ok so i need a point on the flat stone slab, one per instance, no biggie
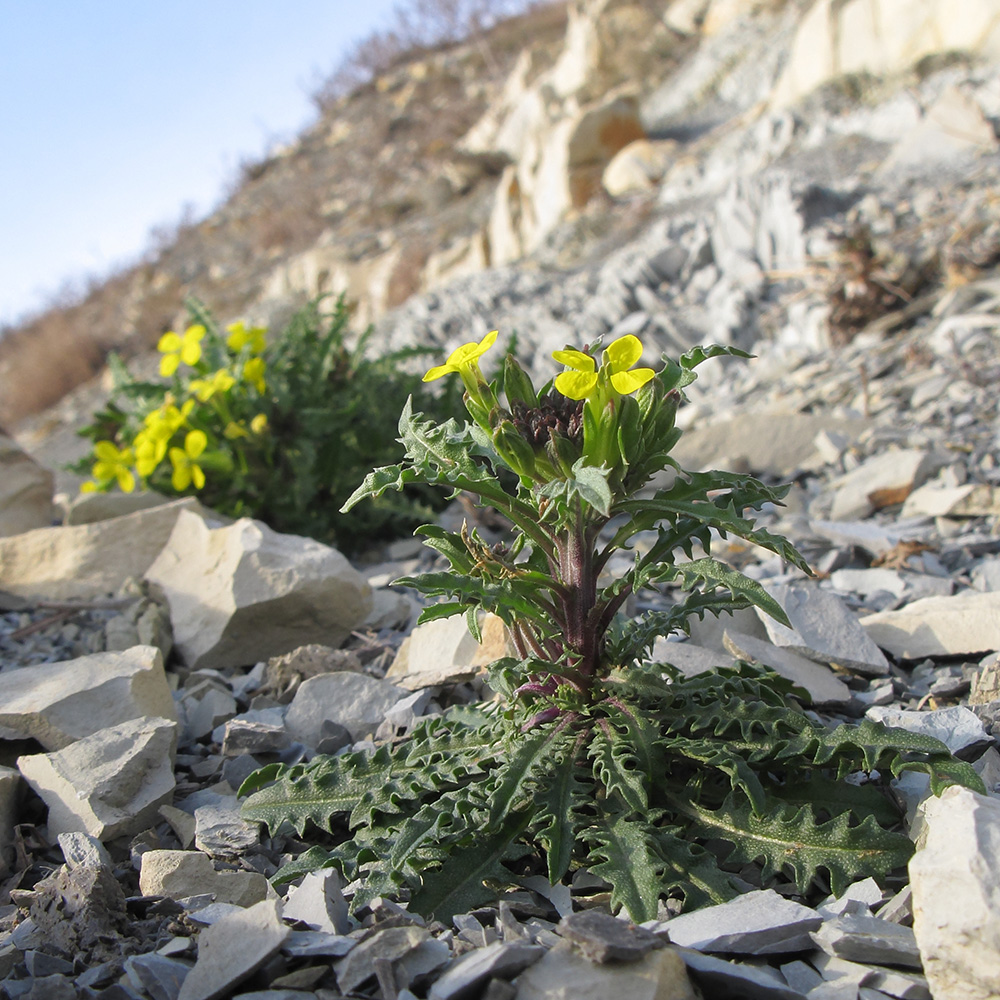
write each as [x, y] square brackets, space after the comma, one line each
[867, 939]
[939, 626]
[688, 657]
[59, 703]
[823, 629]
[824, 687]
[755, 923]
[958, 728]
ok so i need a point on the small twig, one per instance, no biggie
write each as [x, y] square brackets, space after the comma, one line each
[44, 623]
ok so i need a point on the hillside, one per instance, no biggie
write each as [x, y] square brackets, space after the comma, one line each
[509, 181]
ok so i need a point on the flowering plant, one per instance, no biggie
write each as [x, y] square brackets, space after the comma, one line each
[264, 427]
[591, 756]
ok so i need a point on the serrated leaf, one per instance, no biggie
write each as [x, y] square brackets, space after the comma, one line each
[789, 839]
[627, 858]
[559, 802]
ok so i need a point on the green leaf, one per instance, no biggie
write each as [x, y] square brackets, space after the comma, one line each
[460, 884]
[562, 796]
[627, 857]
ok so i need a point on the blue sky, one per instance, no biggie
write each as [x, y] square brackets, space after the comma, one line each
[114, 114]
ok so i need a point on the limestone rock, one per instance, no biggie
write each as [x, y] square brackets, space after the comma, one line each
[562, 974]
[939, 626]
[689, 658]
[355, 701]
[25, 490]
[898, 471]
[823, 685]
[957, 727]
[232, 949]
[242, 593]
[835, 39]
[179, 874]
[637, 167]
[87, 508]
[823, 629]
[58, 703]
[108, 784]
[955, 877]
[445, 650]
[88, 560]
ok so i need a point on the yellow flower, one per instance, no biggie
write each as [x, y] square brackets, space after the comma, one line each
[253, 374]
[89, 486]
[464, 360]
[176, 349]
[206, 388]
[259, 424]
[619, 357]
[184, 461]
[240, 336]
[114, 464]
[235, 429]
[165, 421]
[150, 450]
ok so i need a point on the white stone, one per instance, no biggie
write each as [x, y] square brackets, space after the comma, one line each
[179, 874]
[939, 626]
[823, 685]
[242, 593]
[318, 902]
[957, 727]
[896, 470]
[823, 629]
[109, 784]
[86, 508]
[59, 703]
[563, 974]
[354, 701]
[955, 878]
[88, 560]
[234, 948]
[637, 167]
[688, 657]
[25, 490]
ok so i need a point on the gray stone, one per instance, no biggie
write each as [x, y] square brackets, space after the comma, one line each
[898, 471]
[108, 784]
[868, 939]
[779, 444]
[955, 878]
[824, 687]
[248, 736]
[939, 626]
[159, 976]
[688, 657]
[721, 978]
[233, 949]
[82, 850]
[25, 490]
[89, 560]
[868, 581]
[823, 629]
[179, 874]
[960, 729]
[562, 974]
[317, 944]
[602, 938]
[871, 536]
[355, 701]
[242, 593]
[221, 832]
[318, 902]
[389, 945]
[858, 897]
[470, 971]
[59, 703]
[755, 923]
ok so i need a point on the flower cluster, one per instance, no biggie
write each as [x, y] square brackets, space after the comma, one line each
[205, 419]
[593, 418]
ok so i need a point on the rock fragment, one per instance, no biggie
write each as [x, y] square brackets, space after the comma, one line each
[179, 874]
[25, 490]
[960, 730]
[823, 629]
[108, 784]
[602, 938]
[234, 948]
[242, 593]
[955, 879]
[939, 626]
[59, 703]
[867, 939]
[761, 922]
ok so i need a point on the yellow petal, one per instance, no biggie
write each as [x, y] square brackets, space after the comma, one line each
[576, 385]
[126, 481]
[437, 372]
[195, 443]
[168, 342]
[575, 359]
[181, 479]
[624, 352]
[106, 451]
[626, 382]
[169, 364]
[198, 476]
[190, 352]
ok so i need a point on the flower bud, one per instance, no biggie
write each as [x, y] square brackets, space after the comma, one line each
[517, 385]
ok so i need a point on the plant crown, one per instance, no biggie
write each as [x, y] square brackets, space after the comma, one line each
[591, 756]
